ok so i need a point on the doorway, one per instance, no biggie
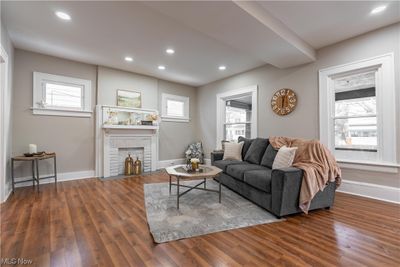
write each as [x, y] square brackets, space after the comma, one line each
[3, 94]
[237, 114]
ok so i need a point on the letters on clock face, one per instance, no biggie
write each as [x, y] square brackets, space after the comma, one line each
[284, 101]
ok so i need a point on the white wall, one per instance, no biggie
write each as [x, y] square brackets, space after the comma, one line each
[9, 49]
[304, 121]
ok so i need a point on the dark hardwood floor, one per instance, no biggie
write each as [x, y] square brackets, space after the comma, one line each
[103, 223]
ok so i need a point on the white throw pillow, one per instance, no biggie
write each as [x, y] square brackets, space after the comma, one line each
[233, 151]
[284, 158]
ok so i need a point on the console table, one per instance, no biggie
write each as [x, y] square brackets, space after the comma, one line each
[35, 165]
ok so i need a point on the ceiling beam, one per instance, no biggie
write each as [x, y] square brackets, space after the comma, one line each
[278, 27]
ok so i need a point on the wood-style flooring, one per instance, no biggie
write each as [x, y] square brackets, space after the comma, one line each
[93, 222]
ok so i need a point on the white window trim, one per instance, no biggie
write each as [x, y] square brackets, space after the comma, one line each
[39, 78]
[386, 105]
[223, 97]
[165, 117]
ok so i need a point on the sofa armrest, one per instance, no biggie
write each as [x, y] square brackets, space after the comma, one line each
[285, 190]
[216, 155]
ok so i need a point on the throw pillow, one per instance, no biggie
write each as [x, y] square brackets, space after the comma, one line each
[233, 151]
[284, 158]
[269, 156]
[246, 145]
[256, 150]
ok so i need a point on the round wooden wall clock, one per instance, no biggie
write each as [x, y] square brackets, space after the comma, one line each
[283, 101]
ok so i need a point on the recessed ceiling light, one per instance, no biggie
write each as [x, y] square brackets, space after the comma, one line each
[222, 67]
[378, 9]
[170, 51]
[130, 59]
[63, 15]
[161, 67]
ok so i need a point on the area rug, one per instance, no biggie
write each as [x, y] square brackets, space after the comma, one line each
[199, 212]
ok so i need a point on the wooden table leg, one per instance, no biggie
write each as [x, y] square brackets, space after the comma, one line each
[33, 173]
[12, 175]
[177, 192]
[219, 191]
[170, 184]
[55, 169]
[37, 172]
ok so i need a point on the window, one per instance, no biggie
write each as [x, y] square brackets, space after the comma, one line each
[61, 96]
[234, 114]
[357, 111]
[237, 119]
[175, 108]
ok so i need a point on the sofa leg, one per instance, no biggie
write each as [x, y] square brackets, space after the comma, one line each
[327, 208]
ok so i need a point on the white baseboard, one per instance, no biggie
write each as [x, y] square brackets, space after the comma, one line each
[380, 192]
[61, 177]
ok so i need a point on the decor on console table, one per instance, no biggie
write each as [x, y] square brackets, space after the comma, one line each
[130, 99]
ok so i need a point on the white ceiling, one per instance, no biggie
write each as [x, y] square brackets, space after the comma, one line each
[240, 35]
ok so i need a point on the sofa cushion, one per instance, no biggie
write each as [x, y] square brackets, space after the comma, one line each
[233, 151]
[223, 164]
[256, 150]
[246, 144]
[284, 158]
[237, 170]
[269, 156]
[260, 179]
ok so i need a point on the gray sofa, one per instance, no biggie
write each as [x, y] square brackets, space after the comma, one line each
[275, 190]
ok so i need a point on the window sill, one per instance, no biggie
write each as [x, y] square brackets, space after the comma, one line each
[369, 166]
[61, 112]
[172, 119]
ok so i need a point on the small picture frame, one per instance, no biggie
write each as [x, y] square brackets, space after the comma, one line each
[129, 99]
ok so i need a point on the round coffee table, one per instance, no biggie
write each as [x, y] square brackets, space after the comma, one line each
[180, 172]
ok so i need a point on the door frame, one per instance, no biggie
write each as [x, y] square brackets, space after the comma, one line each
[3, 144]
[221, 104]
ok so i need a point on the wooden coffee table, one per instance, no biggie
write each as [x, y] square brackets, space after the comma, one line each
[179, 171]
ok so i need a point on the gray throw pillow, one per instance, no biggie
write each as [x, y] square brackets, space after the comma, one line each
[269, 156]
[256, 150]
[246, 144]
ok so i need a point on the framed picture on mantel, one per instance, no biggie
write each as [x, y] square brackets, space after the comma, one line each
[129, 99]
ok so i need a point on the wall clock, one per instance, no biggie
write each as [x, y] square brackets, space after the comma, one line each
[283, 101]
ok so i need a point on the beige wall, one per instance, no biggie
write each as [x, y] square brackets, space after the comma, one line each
[110, 80]
[72, 138]
[9, 49]
[174, 136]
[303, 122]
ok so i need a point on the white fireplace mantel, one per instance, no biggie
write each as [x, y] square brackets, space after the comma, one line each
[109, 138]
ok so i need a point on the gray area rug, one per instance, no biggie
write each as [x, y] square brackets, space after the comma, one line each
[199, 212]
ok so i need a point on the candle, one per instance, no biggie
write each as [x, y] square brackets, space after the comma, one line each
[32, 148]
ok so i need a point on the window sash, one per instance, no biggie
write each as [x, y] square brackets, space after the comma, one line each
[174, 114]
[44, 95]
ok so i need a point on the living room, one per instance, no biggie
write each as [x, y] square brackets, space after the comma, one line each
[108, 107]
